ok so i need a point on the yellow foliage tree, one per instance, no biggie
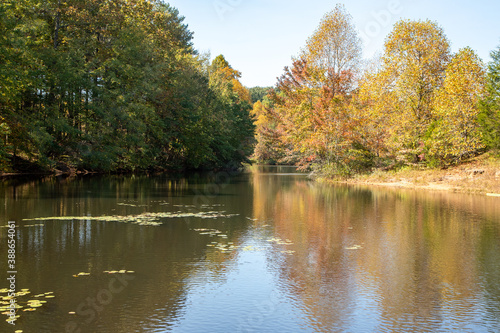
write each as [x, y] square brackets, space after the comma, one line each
[456, 133]
[223, 72]
[333, 50]
[269, 134]
[402, 92]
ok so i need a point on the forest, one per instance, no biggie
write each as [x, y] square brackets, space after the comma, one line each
[114, 86]
[117, 86]
[418, 104]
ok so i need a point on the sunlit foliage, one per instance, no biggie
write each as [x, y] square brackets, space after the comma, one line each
[416, 103]
[112, 85]
[455, 134]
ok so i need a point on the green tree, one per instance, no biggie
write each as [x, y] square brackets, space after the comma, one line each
[113, 85]
[234, 137]
[489, 117]
[258, 93]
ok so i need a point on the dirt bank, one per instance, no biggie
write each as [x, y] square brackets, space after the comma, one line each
[479, 175]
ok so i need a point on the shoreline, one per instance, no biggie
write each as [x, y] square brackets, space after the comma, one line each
[477, 176]
[408, 185]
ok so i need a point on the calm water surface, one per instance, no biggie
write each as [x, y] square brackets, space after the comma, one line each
[263, 251]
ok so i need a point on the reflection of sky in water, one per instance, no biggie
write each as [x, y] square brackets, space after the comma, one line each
[249, 297]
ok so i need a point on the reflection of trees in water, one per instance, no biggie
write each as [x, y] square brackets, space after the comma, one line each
[80, 196]
[425, 256]
[48, 258]
[418, 265]
[166, 259]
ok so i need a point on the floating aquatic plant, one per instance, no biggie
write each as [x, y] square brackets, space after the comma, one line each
[252, 248]
[130, 205]
[225, 247]
[355, 247]
[29, 305]
[144, 219]
[279, 241]
[122, 271]
[210, 232]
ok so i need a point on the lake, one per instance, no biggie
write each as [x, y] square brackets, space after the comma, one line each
[267, 250]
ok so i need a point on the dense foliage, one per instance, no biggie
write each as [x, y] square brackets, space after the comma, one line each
[114, 85]
[258, 93]
[417, 103]
[490, 107]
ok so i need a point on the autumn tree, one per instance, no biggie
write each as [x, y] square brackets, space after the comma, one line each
[455, 133]
[334, 50]
[269, 133]
[222, 71]
[314, 99]
[403, 90]
[417, 103]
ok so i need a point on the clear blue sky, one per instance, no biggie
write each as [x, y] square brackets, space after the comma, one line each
[259, 37]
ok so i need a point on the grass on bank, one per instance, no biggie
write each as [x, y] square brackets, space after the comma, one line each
[480, 174]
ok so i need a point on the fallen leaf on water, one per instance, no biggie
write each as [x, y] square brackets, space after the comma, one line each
[122, 271]
[279, 241]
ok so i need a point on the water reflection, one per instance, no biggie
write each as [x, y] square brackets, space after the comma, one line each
[304, 256]
[387, 260]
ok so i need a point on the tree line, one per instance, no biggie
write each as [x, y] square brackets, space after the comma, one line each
[114, 86]
[418, 103]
